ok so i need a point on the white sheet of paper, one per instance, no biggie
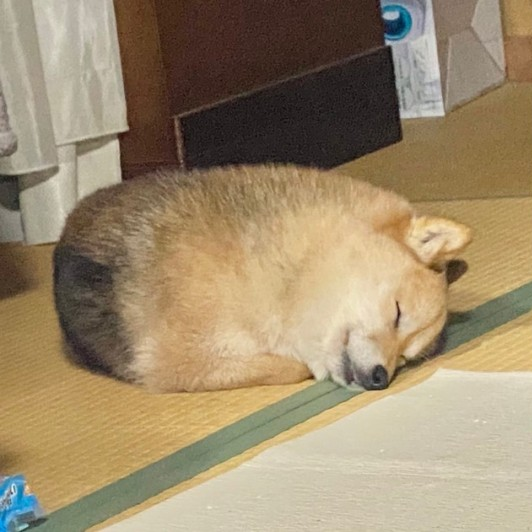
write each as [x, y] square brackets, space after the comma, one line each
[452, 454]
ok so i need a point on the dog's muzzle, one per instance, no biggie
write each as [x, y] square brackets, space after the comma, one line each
[376, 378]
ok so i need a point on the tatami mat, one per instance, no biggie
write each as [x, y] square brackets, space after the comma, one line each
[483, 149]
[72, 433]
[504, 349]
[403, 463]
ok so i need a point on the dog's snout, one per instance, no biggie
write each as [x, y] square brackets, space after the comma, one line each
[378, 379]
[375, 379]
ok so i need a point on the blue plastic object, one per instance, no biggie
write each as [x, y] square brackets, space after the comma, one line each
[19, 507]
[397, 22]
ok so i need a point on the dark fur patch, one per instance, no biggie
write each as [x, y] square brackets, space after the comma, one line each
[455, 269]
[84, 301]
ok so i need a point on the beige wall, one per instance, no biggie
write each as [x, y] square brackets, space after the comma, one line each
[517, 23]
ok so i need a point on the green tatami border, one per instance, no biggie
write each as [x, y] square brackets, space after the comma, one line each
[260, 426]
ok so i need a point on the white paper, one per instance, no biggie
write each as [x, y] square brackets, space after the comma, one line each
[416, 63]
[452, 454]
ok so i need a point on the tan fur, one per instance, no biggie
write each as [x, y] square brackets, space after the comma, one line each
[265, 275]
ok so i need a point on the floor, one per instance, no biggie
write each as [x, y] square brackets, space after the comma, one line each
[481, 150]
[74, 435]
[393, 465]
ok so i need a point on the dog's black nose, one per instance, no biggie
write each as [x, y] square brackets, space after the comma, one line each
[378, 379]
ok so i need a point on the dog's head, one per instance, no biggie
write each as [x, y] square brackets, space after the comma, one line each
[397, 305]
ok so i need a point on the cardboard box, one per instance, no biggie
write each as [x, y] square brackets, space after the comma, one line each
[446, 52]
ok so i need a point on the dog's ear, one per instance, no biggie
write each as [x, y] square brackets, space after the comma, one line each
[436, 241]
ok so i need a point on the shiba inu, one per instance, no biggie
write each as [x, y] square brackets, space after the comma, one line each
[252, 275]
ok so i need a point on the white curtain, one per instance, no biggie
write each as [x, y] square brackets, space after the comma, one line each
[62, 83]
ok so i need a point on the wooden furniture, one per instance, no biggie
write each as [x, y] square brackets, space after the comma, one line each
[517, 25]
[231, 81]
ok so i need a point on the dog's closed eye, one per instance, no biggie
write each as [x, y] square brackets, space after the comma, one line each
[397, 315]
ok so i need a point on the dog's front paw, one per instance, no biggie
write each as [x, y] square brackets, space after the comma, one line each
[319, 372]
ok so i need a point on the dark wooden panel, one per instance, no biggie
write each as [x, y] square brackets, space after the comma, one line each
[150, 139]
[322, 118]
[214, 49]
